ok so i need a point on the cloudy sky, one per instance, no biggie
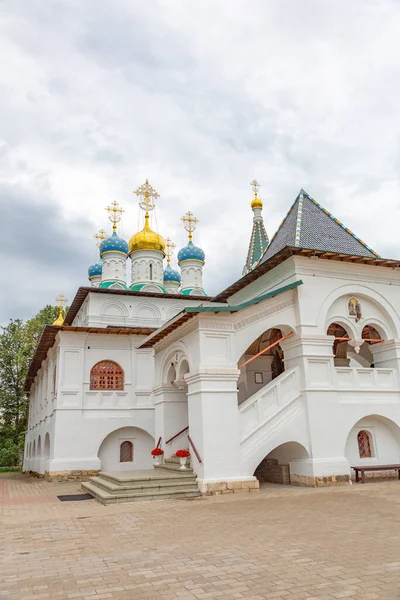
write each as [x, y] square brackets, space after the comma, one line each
[200, 96]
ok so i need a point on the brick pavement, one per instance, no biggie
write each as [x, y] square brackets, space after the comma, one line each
[285, 543]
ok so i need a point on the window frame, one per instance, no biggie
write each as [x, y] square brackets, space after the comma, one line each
[94, 378]
[132, 455]
[369, 436]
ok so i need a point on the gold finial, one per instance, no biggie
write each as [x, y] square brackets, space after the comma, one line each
[147, 195]
[256, 202]
[169, 249]
[189, 223]
[114, 214]
[99, 237]
[61, 299]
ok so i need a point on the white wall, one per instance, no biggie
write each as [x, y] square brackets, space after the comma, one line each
[142, 442]
[385, 436]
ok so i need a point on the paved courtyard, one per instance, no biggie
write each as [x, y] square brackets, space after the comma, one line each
[284, 543]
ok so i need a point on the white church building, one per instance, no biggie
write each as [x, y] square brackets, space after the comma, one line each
[290, 375]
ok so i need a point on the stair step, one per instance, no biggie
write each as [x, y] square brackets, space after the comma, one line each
[110, 498]
[165, 485]
[141, 478]
[172, 466]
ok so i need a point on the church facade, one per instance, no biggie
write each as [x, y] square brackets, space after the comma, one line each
[291, 374]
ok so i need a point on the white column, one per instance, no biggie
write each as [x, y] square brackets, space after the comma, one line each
[95, 281]
[214, 430]
[114, 267]
[327, 463]
[147, 267]
[192, 275]
[172, 287]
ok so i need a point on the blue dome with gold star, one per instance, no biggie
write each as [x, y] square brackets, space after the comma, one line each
[95, 270]
[114, 244]
[171, 275]
[191, 252]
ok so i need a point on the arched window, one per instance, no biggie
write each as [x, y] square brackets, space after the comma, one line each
[106, 375]
[364, 444]
[151, 271]
[126, 452]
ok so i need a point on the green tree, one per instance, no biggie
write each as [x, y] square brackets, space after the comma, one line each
[18, 341]
[15, 352]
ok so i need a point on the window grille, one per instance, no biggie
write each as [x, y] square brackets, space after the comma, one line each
[106, 375]
[364, 444]
[126, 452]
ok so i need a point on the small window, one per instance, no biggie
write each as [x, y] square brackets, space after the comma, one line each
[106, 375]
[126, 452]
[364, 444]
[151, 271]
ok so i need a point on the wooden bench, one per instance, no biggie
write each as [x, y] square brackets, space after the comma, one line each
[365, 469]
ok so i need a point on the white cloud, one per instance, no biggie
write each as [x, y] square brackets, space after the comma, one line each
[200, 97]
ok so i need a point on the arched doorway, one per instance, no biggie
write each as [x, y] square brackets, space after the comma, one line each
[125, 449]
[261, 363]
[276, 466]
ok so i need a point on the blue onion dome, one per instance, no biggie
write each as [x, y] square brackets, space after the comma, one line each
[191, 252]
[171, 275]
[95, 270]
[113, 244]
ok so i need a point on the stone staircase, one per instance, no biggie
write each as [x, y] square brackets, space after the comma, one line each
[163, 482]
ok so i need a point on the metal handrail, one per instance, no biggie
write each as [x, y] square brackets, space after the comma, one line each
[177, 435]
[159, 442]
[194, 448]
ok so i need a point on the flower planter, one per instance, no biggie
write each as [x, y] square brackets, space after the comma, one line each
[183, 460]
[158, 460]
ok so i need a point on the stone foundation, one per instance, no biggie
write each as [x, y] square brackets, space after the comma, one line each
[323, 481]
[69, 475]
[269, 470]
[231, 487]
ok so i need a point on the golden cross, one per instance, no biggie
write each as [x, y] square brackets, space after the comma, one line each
[256, 186]
[99, 237]
[61, 299]
[114, 214]
[169, 249]
[147, 195]
[189, 223]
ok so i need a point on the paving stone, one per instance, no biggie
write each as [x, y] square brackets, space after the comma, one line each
[284, 543]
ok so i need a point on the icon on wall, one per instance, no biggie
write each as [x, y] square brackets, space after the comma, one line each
[354, 308]
[258, 378]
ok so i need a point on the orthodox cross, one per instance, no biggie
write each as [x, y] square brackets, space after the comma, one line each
[147, 195]
[99, 237]
[256, 186]
[169, 249]
[114, 214]
[189, 223]
[61, 299]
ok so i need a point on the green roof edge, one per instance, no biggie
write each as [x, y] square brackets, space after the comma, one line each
[237, 307]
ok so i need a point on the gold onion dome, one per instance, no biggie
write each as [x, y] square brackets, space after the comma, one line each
[147, 239]
[257, 203]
